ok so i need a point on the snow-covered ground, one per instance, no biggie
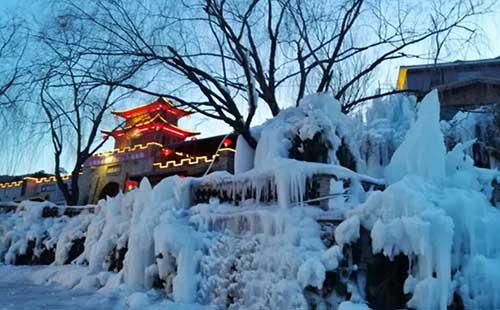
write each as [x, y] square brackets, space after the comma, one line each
[28, 288]
[18, 291]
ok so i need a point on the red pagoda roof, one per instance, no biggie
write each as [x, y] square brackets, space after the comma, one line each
[154, 106]
[155, 126]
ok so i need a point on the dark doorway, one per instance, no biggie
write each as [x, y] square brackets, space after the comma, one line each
[111, 189]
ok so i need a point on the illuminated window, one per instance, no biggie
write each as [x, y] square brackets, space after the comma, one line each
[113, 169]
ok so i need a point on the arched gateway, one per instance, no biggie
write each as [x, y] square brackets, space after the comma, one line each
[111, 189]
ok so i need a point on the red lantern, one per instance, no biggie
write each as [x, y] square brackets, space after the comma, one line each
[166, 151]
[130, 185]
[227, 142]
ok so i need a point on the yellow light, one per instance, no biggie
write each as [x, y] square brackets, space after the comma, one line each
[109, 159]
[36, 180]
[10, 184]
[47, 179]
[128, 149]
[401, 85]
[191, 160]
[151, 102]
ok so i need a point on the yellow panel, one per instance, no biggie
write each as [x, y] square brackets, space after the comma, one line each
[402, 78]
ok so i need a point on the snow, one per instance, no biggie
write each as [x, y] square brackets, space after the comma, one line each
[27, 225]
[74, 229]
[178, 239]
[347, 231]
[427, 295]
[436, 211]
[108, 229]
[347, 305]
[243, 265]
[259, 254]
[386, 122]
[481, 125]
[311, 272]
[243, 159]
[316, 113]
[331, 258]
[19, 292]
[42, 287]
[423, 151]
[140, 252]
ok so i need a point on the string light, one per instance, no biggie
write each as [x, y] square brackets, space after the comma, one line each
[50, 179]
[11, 184]
[149, 124]
[145, 120]
[141, 120]
[128, 149]
[47, 179]
[158, 126]
[152, 125]
[190, 161]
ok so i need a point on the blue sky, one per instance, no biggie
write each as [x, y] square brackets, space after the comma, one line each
[43, 160]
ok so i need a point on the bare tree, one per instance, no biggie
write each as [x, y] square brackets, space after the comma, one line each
[224, 53]
[13, 40]
[73, 102]
[14, 77]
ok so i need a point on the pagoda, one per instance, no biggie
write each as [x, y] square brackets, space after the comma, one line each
[152, 122]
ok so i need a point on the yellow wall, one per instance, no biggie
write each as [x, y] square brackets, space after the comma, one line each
[402, 78]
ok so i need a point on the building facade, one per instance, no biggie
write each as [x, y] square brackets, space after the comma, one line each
[148, 143]
[462, 85]
[38, 186]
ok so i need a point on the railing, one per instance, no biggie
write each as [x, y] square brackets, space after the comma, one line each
[317, 190]
[51, 211]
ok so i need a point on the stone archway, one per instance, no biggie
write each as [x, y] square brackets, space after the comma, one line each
[111, 189]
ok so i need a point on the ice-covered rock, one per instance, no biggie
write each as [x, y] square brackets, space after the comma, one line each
[437, 212]
[481, 125]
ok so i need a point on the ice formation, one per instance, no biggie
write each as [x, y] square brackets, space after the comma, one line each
[243, 159]
[422, 152]
[317, 114]
[480, 125]
[281, 253]
[27, 225]
[437, 212]
[386, 122]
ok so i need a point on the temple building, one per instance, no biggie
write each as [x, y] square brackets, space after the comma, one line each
[153, 122]
[148, 143]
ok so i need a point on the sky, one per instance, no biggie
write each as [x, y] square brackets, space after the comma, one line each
[44, 161]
